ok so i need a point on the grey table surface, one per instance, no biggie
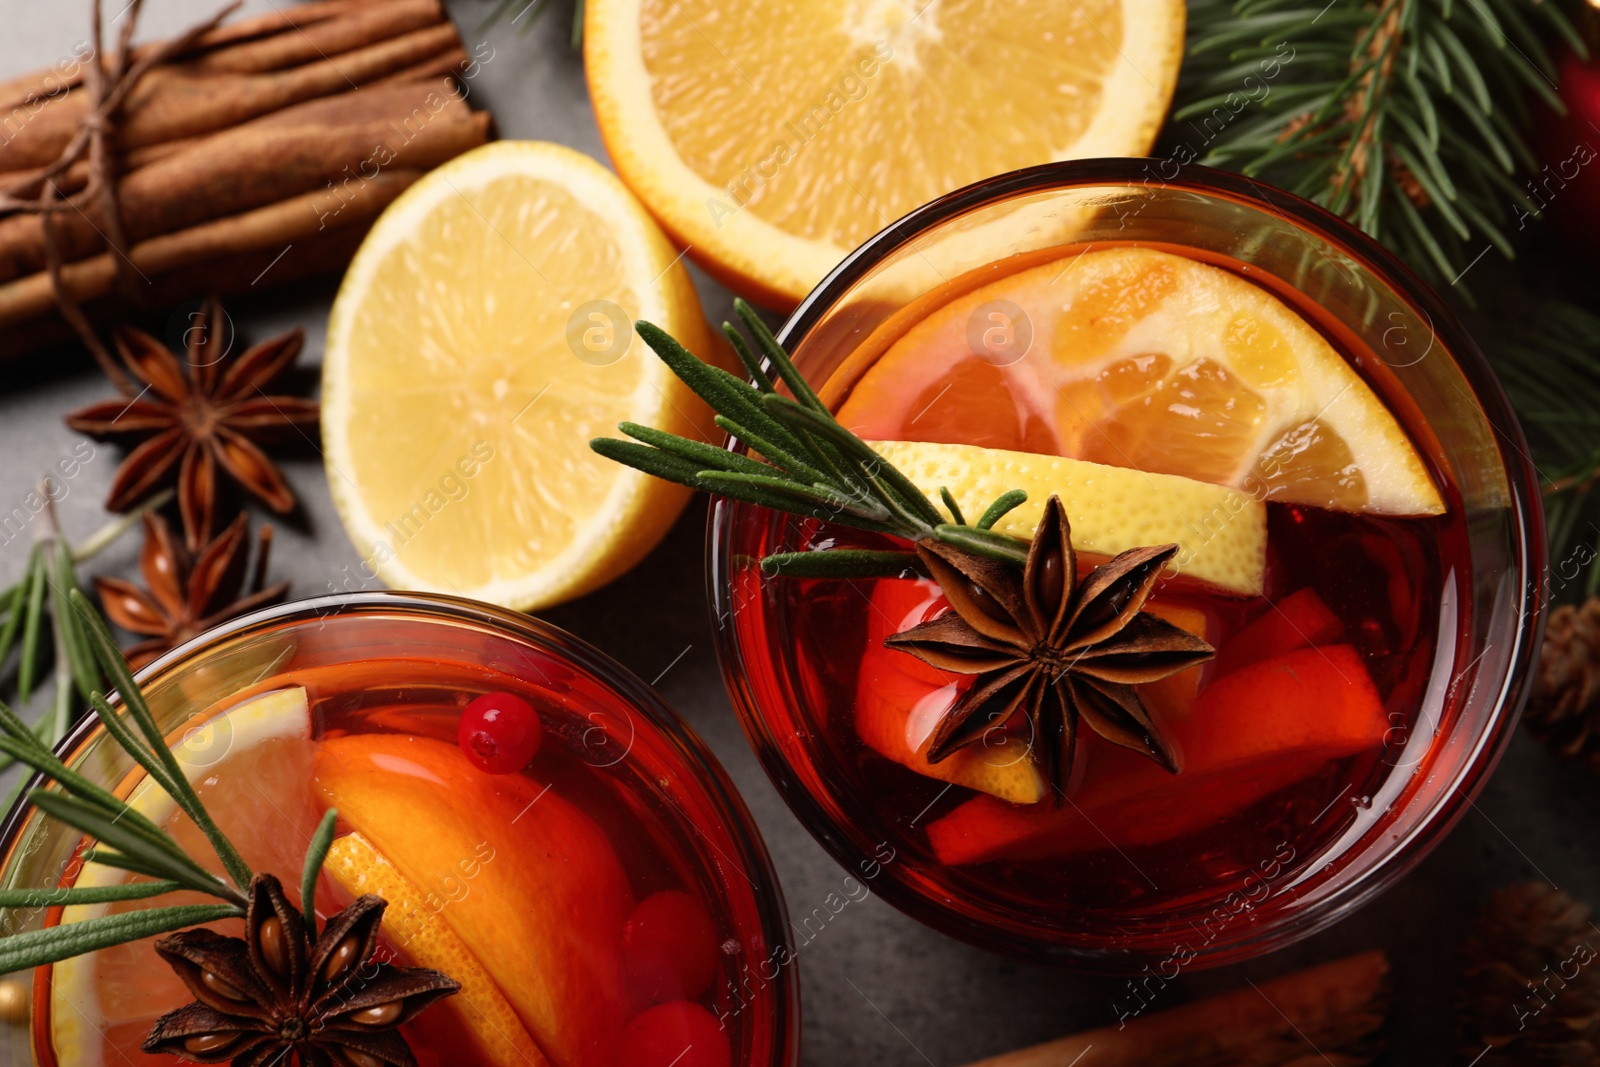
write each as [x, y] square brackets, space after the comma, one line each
[877, 987]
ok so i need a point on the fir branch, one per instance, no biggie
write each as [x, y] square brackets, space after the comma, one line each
[1550, 365]
[812, 466]
[1403, 116]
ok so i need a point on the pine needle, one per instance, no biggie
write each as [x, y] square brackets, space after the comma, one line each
[1404, 116]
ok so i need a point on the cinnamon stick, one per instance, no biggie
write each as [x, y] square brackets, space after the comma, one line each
[336, 33]
[281, 19]
[75, 177]
[294, 19]
[269, 228]
[260, 149]
[1326, 1016]
[293, 151]
[174, 102]
[455, 61]
[326, 254]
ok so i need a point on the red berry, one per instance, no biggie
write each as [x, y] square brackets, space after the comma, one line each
[499, 732]
[679, 1034]
[669, 947]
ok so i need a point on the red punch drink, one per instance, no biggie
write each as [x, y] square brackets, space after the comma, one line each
[1323, 503]
[544, 831]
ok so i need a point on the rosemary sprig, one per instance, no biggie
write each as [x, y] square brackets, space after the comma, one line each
[123, 837]
[145, 851]
[53, 943]
[813, 467]
[173, 780]
[316, 855]
[40, 596]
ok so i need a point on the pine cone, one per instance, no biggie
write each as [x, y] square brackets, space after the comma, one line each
[1564, 708]
[1532, 995]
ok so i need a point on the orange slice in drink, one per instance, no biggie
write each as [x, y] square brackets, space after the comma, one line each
[1136, 358]
[900, 699]
[412, 924]
[528, 883]
[1247, 738]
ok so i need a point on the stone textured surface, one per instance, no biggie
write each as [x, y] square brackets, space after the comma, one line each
[878, 987]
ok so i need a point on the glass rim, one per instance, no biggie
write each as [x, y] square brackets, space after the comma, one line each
[771, 907]
[1524, 507]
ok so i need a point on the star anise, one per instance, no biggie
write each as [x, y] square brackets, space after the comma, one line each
[1063, 651]
[201, 419]
[284, 988]
[188, 593]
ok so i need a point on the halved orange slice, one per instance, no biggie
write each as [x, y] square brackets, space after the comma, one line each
[771, 138]
[1153, 361]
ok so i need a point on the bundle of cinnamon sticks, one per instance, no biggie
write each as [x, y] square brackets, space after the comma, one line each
[258, 155]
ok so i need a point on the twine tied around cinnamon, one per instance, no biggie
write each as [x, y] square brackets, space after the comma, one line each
[108, 86]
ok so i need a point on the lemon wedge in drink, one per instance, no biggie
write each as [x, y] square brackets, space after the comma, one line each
[1221, 533]
[252, 755]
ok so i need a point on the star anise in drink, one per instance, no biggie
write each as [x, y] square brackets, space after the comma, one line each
[285, 989]
[188, 593]
[1063, 652]
[201, 420]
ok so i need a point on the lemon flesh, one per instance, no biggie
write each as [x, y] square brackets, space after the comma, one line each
[482, 336]
[1221, 534]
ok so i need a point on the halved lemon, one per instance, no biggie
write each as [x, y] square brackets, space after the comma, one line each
[251, 757]
[771, 138]
[1137, 358]
[482, 335]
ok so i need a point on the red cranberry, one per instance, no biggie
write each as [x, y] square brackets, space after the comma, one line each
[499, 733]
[679, 1034]
[669, 947]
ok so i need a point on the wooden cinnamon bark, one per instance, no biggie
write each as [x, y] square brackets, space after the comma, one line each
[339, 31]
[1323, 1017]
[274, 227]
[286, 37]
[254, 272]
[174, 101]
[293, 151]
[261, 153]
